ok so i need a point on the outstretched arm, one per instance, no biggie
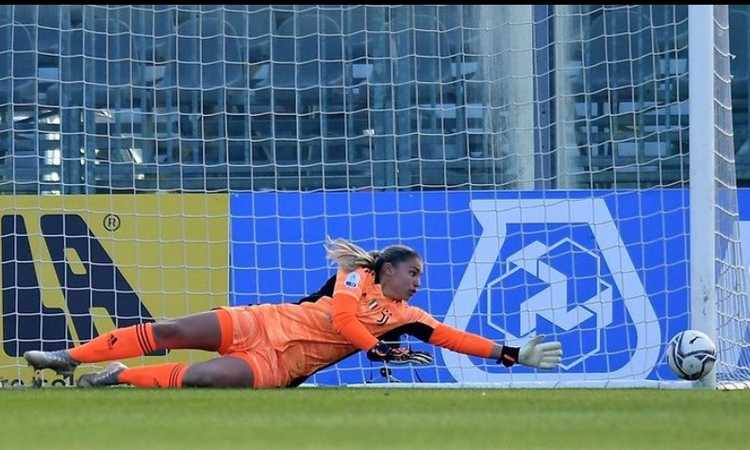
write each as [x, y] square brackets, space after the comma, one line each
[534, 353]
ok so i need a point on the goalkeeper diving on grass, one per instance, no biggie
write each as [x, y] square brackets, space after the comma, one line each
[281, 345]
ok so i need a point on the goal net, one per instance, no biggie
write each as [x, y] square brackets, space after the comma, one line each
[560, 169]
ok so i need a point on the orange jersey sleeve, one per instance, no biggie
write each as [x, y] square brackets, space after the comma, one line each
[436, 333]
[461, 341]
[346, 296]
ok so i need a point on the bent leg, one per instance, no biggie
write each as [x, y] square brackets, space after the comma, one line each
[200, 331]
[169, 375]
[223, 372]
[135, 340]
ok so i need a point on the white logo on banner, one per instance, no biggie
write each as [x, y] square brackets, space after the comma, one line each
[552, 302]
[494, 216]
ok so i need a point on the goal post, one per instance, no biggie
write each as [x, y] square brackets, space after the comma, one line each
[718, 276]
[703, 182]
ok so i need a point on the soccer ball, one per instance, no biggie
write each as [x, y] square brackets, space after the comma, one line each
[691, 355]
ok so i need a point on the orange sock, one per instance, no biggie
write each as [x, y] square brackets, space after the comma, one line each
[128, 342]
[156, 376]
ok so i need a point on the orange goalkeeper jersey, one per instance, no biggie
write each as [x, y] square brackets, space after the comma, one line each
[313, 335]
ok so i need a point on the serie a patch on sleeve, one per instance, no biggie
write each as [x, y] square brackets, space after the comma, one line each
[352, 280]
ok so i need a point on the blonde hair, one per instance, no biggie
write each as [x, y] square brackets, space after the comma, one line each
[348, 255]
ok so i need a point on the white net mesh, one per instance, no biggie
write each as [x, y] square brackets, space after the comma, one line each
[732, 302]
[537, 156]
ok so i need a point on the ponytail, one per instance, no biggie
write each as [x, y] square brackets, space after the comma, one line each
[348, 255]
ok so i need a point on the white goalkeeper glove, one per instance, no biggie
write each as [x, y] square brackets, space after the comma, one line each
[534, 353]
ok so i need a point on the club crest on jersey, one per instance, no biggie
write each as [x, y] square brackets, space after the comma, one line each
[352, 280]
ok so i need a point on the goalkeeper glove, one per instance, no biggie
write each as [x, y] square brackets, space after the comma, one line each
[398, 355]
[533, 354]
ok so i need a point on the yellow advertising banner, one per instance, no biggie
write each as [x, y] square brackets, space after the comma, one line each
[77, 266]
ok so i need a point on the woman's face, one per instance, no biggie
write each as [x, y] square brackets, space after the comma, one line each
[403, 279]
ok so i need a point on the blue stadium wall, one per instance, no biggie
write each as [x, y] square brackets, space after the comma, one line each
[614, 311]
[606, 273]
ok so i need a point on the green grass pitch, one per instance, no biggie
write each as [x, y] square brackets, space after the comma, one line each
[110, 419]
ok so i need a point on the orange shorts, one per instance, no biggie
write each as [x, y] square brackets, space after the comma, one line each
[243, 336]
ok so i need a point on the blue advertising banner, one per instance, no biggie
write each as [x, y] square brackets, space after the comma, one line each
[743, 203]
[605, 273]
